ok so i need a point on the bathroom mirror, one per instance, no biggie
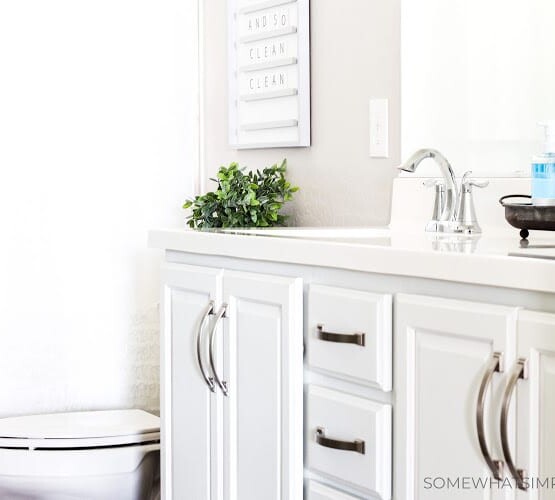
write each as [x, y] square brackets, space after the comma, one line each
[477, 77]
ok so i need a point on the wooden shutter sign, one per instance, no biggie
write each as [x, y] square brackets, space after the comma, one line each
[269, 73]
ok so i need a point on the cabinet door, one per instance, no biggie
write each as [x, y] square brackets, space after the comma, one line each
[443, 351]
[188, 408]
[535, 397]
[263, 371]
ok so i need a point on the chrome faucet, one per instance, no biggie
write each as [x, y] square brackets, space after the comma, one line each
[443, 220]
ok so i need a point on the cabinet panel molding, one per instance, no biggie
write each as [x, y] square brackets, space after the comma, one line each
[535, 399]
[443, 351]
[190, 413]
[350, 334]
[357, 439]
[319, 491]
[263, 366]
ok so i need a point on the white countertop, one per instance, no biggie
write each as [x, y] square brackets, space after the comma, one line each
[492, 259]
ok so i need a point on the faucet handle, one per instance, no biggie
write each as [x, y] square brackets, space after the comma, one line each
[467, 182]
[466, 221]
[439, 200]
[433, 183]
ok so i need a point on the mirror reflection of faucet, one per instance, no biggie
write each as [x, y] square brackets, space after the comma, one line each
[454, 210]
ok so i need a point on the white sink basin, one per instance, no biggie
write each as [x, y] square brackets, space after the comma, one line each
[327, 233]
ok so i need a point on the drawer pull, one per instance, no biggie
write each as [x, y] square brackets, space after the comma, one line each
[208, 310]
[212, 345]
[357, 338]
[494, 366]
[357, 445]
[519, 372]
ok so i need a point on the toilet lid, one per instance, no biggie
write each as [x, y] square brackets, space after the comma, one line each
[80, 429]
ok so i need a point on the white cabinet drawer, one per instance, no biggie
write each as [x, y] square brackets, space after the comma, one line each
[319, 491]
[349, 334]
[349, 438]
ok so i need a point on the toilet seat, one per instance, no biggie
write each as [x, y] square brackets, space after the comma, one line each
[79, 430]
[82, 455]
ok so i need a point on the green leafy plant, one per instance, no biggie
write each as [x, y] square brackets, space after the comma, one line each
[242, 199]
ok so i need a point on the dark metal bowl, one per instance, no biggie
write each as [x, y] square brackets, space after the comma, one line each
[526, 216]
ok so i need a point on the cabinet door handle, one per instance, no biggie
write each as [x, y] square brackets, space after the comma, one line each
[495, 365]
[519, 372]
[357, 445]
[219, 315]
[207, 311]
[357, 338]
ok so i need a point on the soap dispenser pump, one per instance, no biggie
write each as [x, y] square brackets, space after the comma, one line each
[543, 169]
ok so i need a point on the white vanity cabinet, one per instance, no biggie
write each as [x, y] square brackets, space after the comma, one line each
[232, 385]
[448, 352]
[363, 385]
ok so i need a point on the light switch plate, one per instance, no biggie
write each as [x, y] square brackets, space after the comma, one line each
[379, 128]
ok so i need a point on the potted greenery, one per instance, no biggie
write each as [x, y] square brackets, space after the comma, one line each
[252, 199]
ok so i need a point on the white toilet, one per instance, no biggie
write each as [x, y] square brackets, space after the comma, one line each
[97, 455]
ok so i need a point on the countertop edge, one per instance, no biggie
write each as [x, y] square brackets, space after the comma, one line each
[480, 269]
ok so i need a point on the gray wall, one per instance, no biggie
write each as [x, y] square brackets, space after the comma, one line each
[355, 55]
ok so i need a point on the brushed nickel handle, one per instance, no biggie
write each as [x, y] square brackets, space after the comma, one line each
[207, 311]
[219, 315]
[520, 371]
[495, 365]
[357, 445]
[357, 338]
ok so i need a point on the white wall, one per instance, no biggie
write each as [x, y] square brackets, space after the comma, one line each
[355, 47]
[97, 139]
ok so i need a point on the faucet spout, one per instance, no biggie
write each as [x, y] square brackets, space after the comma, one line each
[449, 210]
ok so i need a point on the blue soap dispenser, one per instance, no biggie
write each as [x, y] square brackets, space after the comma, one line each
[543, 169]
